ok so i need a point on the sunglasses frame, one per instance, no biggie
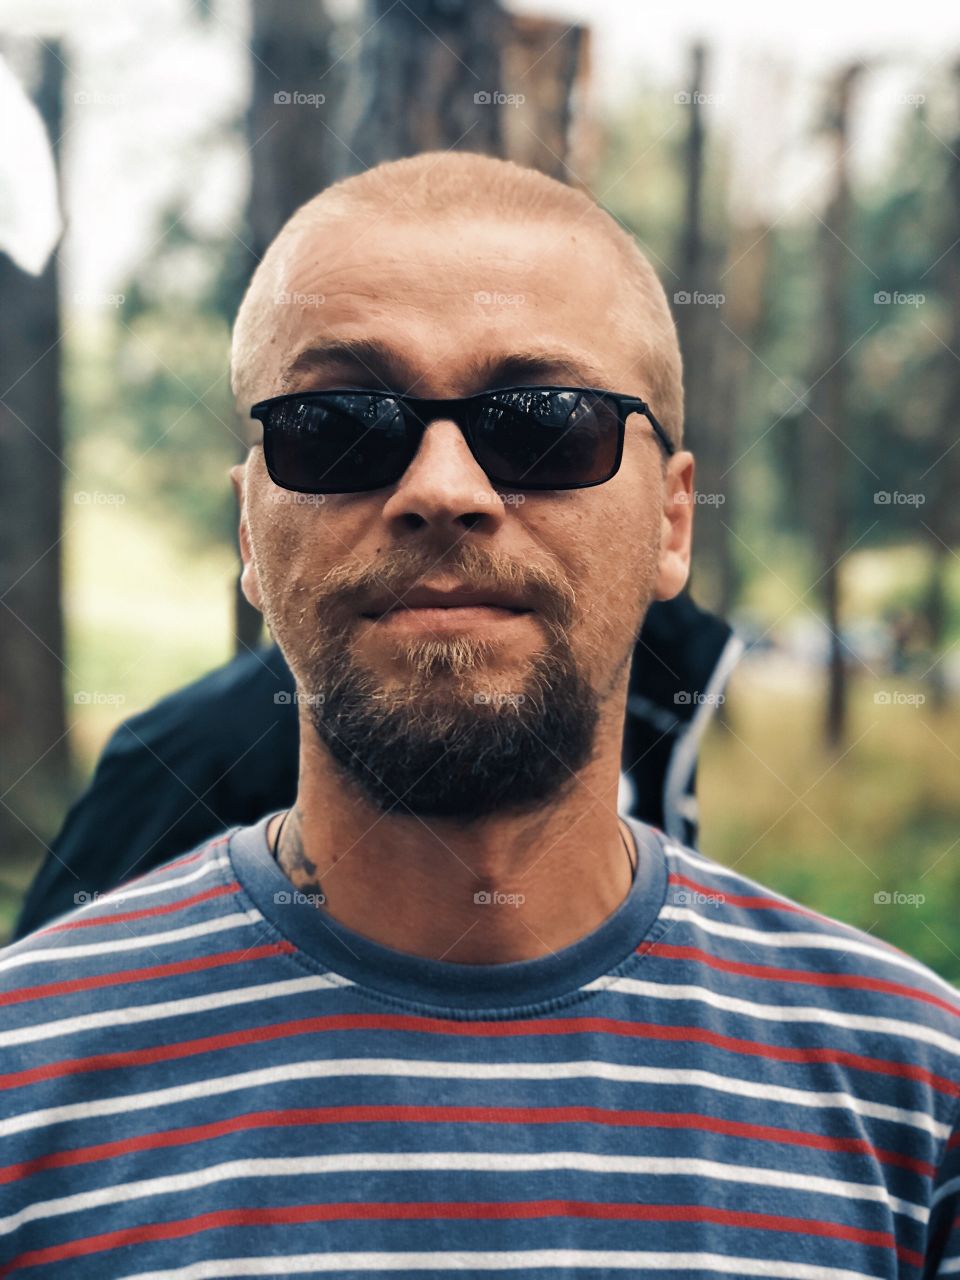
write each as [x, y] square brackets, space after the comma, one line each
[425, 411]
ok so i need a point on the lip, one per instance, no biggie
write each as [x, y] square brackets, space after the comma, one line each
[470, 617]
[456, 600]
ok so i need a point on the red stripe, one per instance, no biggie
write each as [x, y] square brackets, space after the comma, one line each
[123, 976]
[91, 922]
[439, 1026]
[758, 902]
[717, 891]
[172, 866]
[753, 902]
[454, 1211]
[167, 866]
[408, 1114]
[857, 982]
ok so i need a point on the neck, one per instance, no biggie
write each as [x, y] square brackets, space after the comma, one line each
[500, 890]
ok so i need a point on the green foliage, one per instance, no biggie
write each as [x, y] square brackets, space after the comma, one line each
[880, 817]
[149, 394]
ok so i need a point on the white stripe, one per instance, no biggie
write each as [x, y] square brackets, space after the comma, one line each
[753, 888]
[516, 1260]
[66, 954]
[493, 1162]
[947, 1189]
[950, 1267]
[847, 938]
[827, 942]
[158, 886]
[216, 1086]
[901, 1027]
[166, 1009]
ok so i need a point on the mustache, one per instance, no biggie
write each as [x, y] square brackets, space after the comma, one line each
[348, 588]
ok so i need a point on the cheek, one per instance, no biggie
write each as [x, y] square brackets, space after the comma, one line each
[287, 547]
[617, 572]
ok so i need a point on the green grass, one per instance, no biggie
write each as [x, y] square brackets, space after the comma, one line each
[143, 618]
[832, 830]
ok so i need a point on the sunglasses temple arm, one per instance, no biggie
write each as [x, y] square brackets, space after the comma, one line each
[661, 434]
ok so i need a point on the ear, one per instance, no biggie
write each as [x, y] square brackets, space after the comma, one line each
[676, 527]
[249, 579]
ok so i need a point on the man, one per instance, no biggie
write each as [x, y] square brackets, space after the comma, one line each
[448, 1012]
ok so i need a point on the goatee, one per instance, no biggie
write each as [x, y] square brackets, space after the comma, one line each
[446, 738]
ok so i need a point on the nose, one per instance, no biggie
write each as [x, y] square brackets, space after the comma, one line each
[445, 487]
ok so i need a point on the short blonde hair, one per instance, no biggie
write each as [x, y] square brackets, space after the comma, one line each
[438, 184]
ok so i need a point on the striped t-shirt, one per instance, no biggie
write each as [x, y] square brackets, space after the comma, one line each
[204, 1075]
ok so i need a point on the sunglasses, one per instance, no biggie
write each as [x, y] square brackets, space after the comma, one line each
[523, 437]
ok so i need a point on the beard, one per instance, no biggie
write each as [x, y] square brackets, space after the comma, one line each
[443, 738]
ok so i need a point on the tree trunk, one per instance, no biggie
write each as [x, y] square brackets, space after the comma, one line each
[942, 480]
[291, 146]
[547, 62]
[699, 328]
[425, 80]
[34, 762]
[829, 490]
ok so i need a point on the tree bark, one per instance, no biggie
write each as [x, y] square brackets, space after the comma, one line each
[829, 490]
[34, 763]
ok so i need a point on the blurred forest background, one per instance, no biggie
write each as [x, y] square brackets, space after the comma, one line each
[803, 210]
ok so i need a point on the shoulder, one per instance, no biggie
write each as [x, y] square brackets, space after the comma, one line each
[736, 926]
[175, 901]
[254, 689]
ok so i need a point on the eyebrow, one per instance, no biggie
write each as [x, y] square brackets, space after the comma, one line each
[373, 359]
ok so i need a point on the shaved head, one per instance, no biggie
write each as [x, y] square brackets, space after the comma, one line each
[446, 191]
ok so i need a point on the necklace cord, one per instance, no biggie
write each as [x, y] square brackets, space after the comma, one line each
[276, 843]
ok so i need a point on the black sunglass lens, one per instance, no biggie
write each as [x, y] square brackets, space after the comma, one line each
[337, 443]
[547, 439]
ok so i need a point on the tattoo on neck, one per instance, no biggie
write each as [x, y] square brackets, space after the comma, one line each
[292, 858]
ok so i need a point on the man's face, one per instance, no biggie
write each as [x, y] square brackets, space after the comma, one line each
[460, 712]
